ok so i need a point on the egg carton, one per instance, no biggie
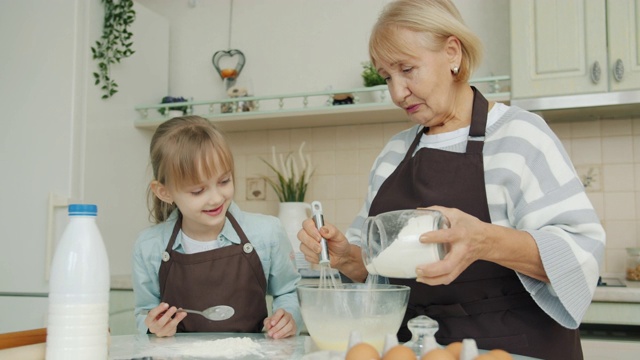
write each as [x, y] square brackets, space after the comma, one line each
[468, 351]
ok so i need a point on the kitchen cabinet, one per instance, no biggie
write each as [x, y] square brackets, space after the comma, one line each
[613, 313]
[121, 318]
[563, 47]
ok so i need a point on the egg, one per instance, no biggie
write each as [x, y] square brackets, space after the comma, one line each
[362, 351]
[438, 354]
[455, 348]
[500, 354]
[485, 356]
[399, 352]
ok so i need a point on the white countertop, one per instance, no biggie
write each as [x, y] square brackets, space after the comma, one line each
[630, 293]
[190, 345]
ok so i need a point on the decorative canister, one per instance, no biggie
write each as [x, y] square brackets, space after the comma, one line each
[633, 264]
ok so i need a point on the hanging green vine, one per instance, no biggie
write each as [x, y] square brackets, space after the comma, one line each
[115, 43]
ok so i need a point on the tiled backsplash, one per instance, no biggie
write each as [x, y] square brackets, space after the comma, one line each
[610, 149]
[606, 154]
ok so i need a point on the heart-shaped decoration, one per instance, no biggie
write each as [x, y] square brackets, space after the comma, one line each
[228, 73]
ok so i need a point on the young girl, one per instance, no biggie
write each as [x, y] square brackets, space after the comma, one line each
[205, 251]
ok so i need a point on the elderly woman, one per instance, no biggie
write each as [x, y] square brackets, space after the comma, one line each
[525, 241]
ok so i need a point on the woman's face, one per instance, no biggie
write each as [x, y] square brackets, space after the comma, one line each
[422, 84]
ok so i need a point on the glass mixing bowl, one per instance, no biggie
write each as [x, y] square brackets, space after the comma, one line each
[373, 310]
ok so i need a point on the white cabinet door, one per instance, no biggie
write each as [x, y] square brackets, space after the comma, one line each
[41, 141]
[555, 47]
[624, 44]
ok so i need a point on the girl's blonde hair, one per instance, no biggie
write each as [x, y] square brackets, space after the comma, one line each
[437, 20]
[185, 151]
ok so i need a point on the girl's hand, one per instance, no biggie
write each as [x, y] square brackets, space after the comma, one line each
[163, 320]
[280, 325]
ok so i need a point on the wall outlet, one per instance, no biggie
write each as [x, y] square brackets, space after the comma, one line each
[591, 178]
[256, 189]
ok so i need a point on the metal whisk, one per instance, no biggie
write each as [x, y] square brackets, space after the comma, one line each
[316, 207]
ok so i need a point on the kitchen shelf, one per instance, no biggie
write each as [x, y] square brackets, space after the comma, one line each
[309, 109]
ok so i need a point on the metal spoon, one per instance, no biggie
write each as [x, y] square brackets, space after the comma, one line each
[214, 313]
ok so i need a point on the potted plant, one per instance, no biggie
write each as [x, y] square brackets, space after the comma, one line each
[173, 111]
[371, 78]
[292, 178]
[291, 187]
[370, 75]
[115, 43]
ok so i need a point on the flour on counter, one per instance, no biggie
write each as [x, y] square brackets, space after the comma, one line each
[400, 259]
[229, 348]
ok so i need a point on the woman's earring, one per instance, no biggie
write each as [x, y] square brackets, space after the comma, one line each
[455, 70]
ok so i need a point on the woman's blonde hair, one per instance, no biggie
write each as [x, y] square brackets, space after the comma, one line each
[437, 20]
[184, 151]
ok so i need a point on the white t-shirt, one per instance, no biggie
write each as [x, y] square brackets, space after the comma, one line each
[440, 141]
[192, 246]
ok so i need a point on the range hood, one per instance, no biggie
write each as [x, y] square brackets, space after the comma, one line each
[584, 106]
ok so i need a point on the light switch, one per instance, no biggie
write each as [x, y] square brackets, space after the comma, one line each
[256, 189]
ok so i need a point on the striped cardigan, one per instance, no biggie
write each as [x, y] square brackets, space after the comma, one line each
[531, 186]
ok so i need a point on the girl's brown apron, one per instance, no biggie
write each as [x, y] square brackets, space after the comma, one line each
[487, 302]
[230, 275]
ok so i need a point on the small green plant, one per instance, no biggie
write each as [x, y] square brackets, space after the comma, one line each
[171, 99]
[370, 75]
[291, 184]
[115, 42]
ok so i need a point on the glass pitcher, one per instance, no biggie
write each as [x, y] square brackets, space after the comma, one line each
[391, 245]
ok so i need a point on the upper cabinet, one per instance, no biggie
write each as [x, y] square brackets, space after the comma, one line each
[623, 36]
[561, 47]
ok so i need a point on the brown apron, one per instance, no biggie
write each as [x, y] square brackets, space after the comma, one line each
[231, 275]
[487, 302]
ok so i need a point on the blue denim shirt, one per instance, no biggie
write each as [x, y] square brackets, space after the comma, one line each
[267, 236]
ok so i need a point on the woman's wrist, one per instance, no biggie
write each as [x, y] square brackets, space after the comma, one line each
[352, 265]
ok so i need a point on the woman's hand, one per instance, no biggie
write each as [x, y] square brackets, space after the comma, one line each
[280, 325]
[310, 237]
[163, 320]
[344, 257]
[469, 239]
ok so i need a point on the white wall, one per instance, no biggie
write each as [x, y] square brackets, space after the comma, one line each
[60, 137]
[116, 171]
[297, 45]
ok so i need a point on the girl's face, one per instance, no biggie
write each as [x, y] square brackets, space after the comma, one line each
[204, 206]
[422, 84]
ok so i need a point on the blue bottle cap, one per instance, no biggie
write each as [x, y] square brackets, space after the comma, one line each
[83, 210]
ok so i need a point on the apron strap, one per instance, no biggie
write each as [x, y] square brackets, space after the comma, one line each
[174, 234]
[477, 130]
[248, 251]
